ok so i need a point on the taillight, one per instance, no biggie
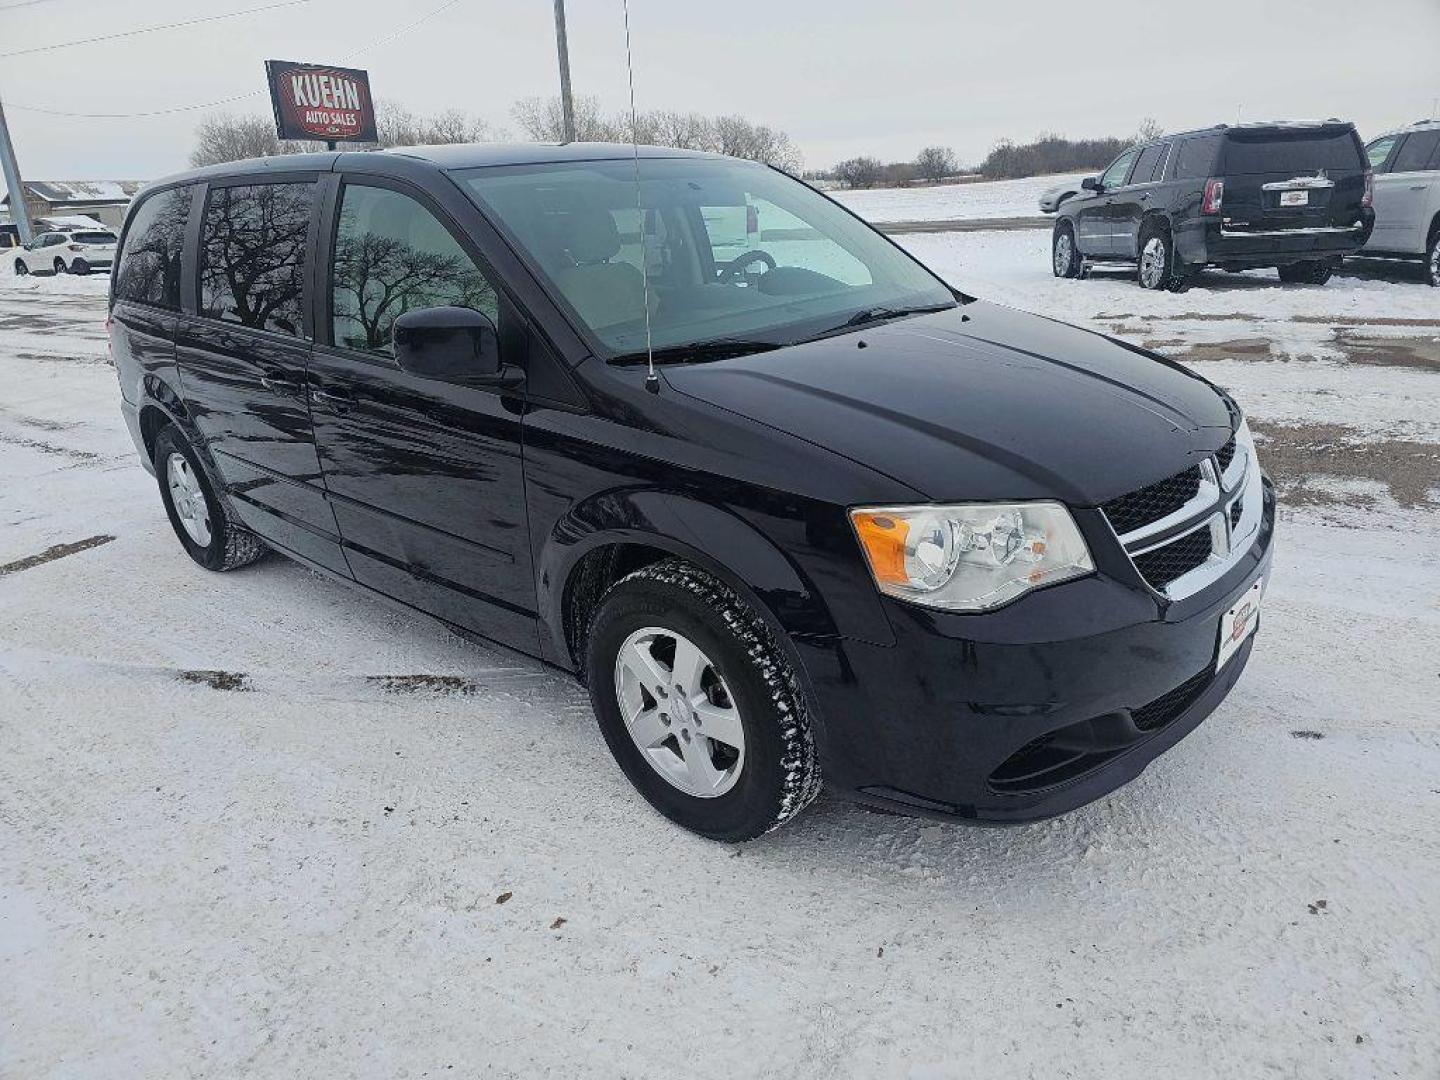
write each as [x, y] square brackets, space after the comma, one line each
[76, 247]
[1368, 199]
[1214, 195]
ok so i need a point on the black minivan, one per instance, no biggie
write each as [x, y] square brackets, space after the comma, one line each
[1297, 197]
[800, 511]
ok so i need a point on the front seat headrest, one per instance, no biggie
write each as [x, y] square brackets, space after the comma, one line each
[591, 235]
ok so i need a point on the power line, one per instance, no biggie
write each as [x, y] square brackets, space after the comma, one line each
[151, 29]
[22, 3]
[241, 96]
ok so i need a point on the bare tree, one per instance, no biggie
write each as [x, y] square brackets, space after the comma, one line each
[397, 125]
[738, 137]
[1150, 130]
[859, 172]
[223, 137]
[684, 131]
[542, 119]
[936, 162]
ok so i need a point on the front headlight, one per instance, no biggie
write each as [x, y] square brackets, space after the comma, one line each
[969, 557]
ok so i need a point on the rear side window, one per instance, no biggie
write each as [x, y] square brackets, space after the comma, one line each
[1379, 150]
[1418, 152]
[1195, 158]
[1150, 158]
[392, 255]
[1295, 153]
[149, 271]
[252, 255]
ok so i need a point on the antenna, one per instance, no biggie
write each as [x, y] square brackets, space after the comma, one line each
[652, 381]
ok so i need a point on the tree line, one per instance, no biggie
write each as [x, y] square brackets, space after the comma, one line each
[1047, 153]
[223, 137]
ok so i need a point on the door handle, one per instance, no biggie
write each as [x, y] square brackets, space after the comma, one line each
[338, 402]
[1418, 187]
[279, 386]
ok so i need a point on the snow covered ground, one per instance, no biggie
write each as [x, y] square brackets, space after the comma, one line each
[262, 825]
[953, 202]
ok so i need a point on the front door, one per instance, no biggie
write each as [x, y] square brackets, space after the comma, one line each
[1097, 217]
[1135, 198]
[424, 476]
[1402, 193]
[242, 359]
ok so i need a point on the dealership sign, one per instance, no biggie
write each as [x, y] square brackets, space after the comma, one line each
[313, 101]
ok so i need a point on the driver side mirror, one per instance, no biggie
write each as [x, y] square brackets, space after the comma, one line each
[454, 344]
[1092, 183]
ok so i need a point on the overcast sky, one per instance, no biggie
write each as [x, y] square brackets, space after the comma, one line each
[842, 77]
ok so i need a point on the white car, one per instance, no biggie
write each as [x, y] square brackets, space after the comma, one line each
[1407, 196]
[1050, 201]
[76, 251]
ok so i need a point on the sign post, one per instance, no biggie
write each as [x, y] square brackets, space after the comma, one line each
[321, 102]
[19, 212]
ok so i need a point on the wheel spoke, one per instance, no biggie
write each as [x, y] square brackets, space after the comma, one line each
[647, 729]
[648, 671]
[721, 723]
[689, 666]
[703, 774]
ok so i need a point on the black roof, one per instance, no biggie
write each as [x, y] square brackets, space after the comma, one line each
[447, 157]
[1261, 125]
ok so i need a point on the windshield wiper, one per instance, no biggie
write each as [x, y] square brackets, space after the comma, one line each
[866, 316]
[698, 351]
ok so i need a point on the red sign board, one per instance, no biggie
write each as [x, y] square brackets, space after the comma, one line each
[313, 101]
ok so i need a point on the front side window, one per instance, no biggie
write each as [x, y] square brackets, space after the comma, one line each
[723, 252]
[1379, 150]
[1119, 169]
[392, 255]
[1418, 153]
[252, 255]
[149, 271]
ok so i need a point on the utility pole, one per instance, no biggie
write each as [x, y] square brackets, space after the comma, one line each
[18, 210]
[567, 104]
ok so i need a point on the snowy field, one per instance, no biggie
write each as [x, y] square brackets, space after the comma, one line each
[953, 202]
[261, 825]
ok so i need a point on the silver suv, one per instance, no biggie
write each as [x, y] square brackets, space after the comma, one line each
[1407, 196]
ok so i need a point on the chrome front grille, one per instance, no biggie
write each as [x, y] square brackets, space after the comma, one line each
[1185, 531]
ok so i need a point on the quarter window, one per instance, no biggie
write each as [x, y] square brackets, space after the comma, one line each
[1195, 158]
[391, 256]
[1418, 152]
[252, 255]
[1115, 175]
[150, 264]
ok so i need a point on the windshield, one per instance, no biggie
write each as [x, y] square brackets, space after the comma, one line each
[735, 252]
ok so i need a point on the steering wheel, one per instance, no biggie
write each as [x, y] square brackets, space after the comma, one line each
[737, 265]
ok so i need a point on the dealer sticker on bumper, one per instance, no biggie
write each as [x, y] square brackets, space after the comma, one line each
[1239, 623]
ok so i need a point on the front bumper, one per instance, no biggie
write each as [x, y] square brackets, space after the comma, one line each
[1031, 710]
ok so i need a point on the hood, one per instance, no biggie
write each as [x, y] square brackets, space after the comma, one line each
[979, 402]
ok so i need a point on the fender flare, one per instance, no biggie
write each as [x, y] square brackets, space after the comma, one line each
[156, 393]
[680, 525]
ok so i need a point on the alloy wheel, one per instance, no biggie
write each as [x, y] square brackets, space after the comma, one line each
[1152, 263]
[679, 712]
[189, 499]
[1064, 251]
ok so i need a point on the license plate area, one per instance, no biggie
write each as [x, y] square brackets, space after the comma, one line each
[1237, 624]
[1295, 198]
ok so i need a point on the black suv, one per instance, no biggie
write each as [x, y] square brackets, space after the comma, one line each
[958, 559]
[1294, 196]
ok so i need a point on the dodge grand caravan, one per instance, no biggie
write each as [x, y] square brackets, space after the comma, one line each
[1292, 196]
[956, 559]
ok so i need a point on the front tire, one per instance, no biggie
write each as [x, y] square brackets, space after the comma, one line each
[201, 518]
[59, 267]
[1432, 260]
[1065, 260]
[671, 650]
[21, 270]
[1310, 272]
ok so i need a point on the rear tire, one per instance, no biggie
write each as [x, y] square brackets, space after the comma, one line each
[1158, 268]
[200, 516]
[80, 266]
[1432, 260]
[1310, 272]
[744, 791]
[1065, 259]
